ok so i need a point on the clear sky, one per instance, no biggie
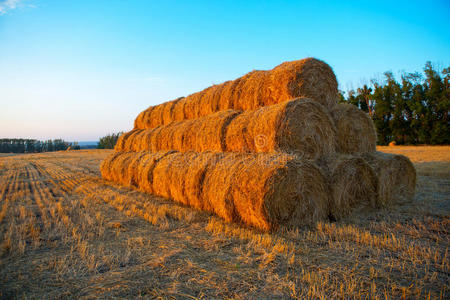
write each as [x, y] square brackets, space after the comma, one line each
[81, 69]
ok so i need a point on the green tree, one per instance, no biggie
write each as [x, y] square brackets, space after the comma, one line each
[109, 141]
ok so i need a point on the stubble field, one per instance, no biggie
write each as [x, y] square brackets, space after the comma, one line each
[67, 233]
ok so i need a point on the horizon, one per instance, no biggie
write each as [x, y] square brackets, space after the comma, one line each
[82, 70]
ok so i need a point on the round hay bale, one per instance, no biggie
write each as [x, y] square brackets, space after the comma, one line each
[196, 172]
[148, 162]
[178, 110]
[355, 130]
[392, 144]
[217, 184]
[139, 121]
[261, 190]
[106, 165]
[273, 190]
[353, 185]
[120, 144]
[397, 177]
[309, 77]
[301, 126]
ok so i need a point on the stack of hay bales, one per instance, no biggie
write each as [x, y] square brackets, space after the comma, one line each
[269, 149]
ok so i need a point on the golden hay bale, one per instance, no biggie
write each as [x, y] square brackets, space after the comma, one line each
[299, 126]
[196, 171]
[308, 77]
[397, 177]
[355, 130]
[353, 185]
[261, 190]
[120, 144]
[148, 162]
[106, 165]
[392, 144]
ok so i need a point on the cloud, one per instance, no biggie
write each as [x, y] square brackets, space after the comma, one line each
[6, 5]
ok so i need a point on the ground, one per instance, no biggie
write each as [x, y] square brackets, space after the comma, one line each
[66, 233]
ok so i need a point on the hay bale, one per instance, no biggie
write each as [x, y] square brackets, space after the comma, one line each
[106, 165]
[397, 177]
[392, 144]
[144, 176]
[301, 126]
[196, 172]
[261, 190]
[309, 77]
[355, 130]
[353, 185]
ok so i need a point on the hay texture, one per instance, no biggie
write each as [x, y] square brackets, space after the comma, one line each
[353, 185]
[309, 77]
[355, 130]
[261, 190]
[300, 126]
[396, 175]
[206, 133]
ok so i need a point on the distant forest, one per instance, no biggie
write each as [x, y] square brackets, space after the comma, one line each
[412, 111]
[34, 146]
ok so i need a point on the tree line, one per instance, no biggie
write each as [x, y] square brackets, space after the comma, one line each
[34, 146]
[414, 110]
[108, 141]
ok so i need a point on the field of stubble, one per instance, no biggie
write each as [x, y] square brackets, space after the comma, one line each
[66, 233]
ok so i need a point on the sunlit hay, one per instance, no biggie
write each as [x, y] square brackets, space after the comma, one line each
[353, 185]
[120, 144]
[139, 121]
[145, 168]
[270, 190]
[355, 130]
[392, 144]
[133, 167]
[168, 111]
[301, 126]
[178, 110]
[308, 77]
[397, 177]
[206, 133]
[105, 166]
[119, 168]
[127, 140]
[196, 176]
[172, 167]
[261, 190]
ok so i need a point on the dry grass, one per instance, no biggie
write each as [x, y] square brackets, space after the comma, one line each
[309, 77]
[66, 233]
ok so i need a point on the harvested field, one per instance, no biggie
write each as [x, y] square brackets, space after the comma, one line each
[300, 126]
[67, 233]
[309, 77]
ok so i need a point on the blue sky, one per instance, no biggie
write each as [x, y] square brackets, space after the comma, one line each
[81, 69]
